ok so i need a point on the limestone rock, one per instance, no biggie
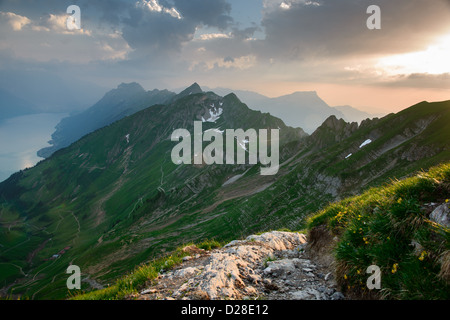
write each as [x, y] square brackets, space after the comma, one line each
[441, 215]
[242, 270]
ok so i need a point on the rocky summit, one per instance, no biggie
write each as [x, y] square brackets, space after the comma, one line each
[274, 266]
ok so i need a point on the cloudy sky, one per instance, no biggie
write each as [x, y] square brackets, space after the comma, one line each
[273, 47]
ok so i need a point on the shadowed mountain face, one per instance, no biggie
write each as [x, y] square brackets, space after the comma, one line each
[45, 92]
[124, 101]
[13, 106]
[114, 199]
[354, 115]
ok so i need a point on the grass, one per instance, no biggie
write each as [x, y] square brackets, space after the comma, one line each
[390, 227]
[131, 284]
[269, 259]
[209, 245]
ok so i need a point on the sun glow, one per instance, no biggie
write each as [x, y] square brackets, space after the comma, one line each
[434, 60]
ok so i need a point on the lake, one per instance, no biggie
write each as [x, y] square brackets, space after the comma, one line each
[21, 138]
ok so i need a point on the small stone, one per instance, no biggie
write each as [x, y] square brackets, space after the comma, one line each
[149, 291]
[192, 250]
[329, 291]
[188, 272]
[289, 283]
[441, 215]
[337, 296]
[307, 294]
[268, 270]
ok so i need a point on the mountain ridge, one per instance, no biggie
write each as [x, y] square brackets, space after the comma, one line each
[304, 109]
[116, 104]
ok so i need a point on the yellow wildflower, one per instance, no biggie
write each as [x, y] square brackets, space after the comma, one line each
[395, 268]
[423, 255]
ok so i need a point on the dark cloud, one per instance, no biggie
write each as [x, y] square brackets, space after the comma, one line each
[210, 13]
[162, 32]
[335, 28]
[156, 31]
[246, 33]
[419, 80]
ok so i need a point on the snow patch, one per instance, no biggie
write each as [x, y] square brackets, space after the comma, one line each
[128, 138]
[365, 143]
[349, 156]
[243, 144]
[216, 130]
[214, 113]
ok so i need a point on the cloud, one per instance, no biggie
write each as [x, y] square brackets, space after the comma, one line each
[238, 63]
[154, 6]
[211, 36]
[48, 39]
[303, 29]
[210, 13]
[15, 21]
[156, 28]
[418, 80]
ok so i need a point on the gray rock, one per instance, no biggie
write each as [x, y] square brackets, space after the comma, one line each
[149, 291]
[289, 283]
[188, 272]
[329, 291]
[307, 294]
[441, 215]
[280, 267]
[337, 296]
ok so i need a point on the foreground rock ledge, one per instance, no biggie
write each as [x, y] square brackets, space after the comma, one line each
[272, 266]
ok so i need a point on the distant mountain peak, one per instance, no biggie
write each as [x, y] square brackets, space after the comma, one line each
[130, 86]
[232, 96]
[333, 122]
[312, 93]
[124, 90]
[192, 89]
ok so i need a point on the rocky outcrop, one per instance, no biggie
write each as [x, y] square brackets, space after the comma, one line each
[441, 215]
[272, 266]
